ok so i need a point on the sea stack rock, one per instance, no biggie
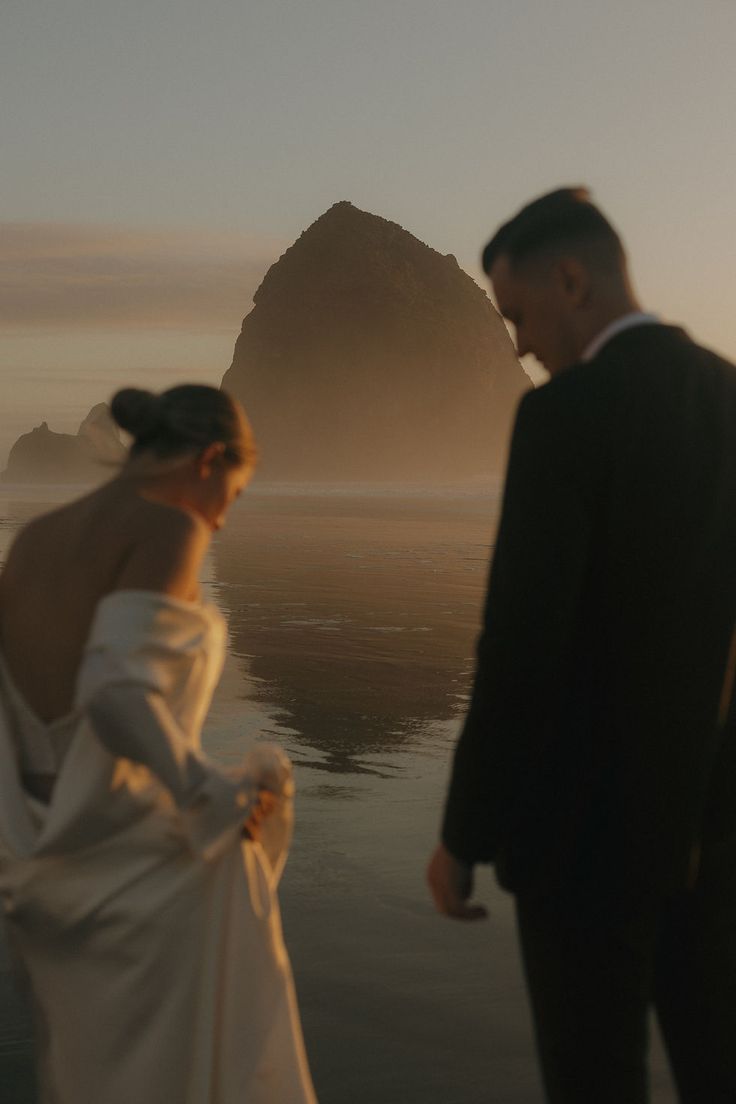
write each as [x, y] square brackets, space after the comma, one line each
[43, 456]
[370, 356]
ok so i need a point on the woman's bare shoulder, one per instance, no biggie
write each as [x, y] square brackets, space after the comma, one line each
[34, 537]
[133, 542]
[153, 516]
[166, 548]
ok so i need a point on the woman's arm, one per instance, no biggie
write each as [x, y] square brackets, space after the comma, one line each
[132, 721]
[131, 718]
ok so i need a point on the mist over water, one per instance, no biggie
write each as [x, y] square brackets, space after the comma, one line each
[58, 381]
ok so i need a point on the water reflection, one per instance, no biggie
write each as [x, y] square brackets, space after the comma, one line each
[356, 617]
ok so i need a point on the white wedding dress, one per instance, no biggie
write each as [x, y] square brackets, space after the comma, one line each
[149, 929]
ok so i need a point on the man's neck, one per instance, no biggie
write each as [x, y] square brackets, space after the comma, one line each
[609, 303]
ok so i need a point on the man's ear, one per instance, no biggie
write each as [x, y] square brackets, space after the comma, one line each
[573, 280]
[208, 457]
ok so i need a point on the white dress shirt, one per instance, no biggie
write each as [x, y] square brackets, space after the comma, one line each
[625, 322]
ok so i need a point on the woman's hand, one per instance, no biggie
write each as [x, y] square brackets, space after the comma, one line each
[265, 805]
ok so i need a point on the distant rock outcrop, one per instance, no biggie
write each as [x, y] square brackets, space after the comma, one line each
[370, 356]
[43, 456]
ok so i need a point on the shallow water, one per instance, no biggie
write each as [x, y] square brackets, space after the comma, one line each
[352, 626]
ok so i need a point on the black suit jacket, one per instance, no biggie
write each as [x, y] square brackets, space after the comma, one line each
[592, 755]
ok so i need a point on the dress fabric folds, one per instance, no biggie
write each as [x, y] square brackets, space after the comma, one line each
[149, 928]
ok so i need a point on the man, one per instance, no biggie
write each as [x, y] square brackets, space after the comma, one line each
[597, 765]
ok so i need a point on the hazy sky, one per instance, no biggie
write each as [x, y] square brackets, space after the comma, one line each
[158, 156]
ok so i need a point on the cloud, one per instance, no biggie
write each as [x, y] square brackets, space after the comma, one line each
[61, 276]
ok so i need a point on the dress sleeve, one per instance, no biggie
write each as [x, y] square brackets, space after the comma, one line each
[132, 721]
[144, 651]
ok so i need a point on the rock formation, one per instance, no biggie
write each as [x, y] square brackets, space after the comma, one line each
[370, 356]
[43, 456]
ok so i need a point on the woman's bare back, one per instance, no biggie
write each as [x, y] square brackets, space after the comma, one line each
[62, 563]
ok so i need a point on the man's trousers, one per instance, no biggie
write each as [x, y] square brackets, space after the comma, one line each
[593, 975]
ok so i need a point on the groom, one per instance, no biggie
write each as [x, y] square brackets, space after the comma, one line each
[596, 768]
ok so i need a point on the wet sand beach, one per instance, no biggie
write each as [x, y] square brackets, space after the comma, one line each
[353, 620]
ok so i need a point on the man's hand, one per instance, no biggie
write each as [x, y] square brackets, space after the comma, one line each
[451, 883]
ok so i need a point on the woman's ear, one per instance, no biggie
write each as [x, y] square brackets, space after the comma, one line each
[208, 457]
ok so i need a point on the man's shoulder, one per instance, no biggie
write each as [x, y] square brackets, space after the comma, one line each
[636, 361]
[562, 393]
[659, 343]
[589, 403]
[561, 418]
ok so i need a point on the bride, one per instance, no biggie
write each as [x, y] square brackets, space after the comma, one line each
[138, 878]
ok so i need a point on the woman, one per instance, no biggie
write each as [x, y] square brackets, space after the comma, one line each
[138, 878]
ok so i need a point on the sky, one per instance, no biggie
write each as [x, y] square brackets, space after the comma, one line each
[159, 156]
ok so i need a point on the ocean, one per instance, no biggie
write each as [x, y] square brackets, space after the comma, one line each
[353, 614]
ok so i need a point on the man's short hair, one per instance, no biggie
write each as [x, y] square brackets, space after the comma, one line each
[564, 219]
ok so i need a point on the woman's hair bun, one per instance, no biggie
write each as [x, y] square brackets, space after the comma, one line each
[136, 411]
[183, 419]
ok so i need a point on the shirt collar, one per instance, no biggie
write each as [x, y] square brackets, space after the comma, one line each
[625, 322]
